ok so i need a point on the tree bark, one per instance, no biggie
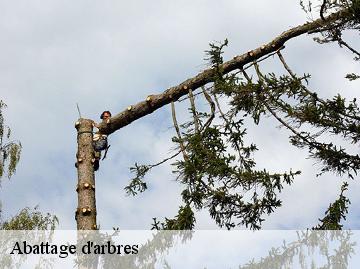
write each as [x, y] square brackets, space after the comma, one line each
[85, 214]
[153, 102]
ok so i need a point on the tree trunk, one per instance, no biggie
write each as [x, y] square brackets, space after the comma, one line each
[85, 214]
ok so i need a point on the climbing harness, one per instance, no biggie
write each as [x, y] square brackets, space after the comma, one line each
[100, 142]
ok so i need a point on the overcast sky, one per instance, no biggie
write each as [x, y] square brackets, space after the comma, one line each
[107, 55]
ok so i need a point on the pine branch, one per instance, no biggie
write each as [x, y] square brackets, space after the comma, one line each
[154, 102]
[310, 93]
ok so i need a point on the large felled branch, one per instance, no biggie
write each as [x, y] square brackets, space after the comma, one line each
[153, 102]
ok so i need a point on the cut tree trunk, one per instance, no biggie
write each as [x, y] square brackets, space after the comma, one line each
[85, 214]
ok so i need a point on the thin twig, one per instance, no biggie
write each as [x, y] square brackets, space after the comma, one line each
[165, 160]
[310, 93]
[288, 126]
[212, 107]
[285, 64]
[181, 143]
[228, 126]
[193, 110]
[187, 97]
[246, 76]
[260, 76]
[262, 59]
[342, 42]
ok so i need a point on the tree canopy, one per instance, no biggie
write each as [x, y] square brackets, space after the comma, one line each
[217, 170]
[10, 150]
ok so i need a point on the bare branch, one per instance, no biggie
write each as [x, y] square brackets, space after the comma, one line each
[165, 160]
[343, 43]
[273, 112]
[285, 64]
[263, 58]
[153, 102]
[228, 127]
[212, 107]
[181, 143]
[246, 76]
[312, 94]
[193, 110]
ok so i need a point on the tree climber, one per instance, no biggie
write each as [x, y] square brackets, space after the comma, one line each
[100, 140]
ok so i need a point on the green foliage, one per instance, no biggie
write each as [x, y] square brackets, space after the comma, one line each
[287, 97]
[218, 171]
[30, 219]
[355, 9]
[352, 76]
[288, 100]
[234, 192]
[215, 59]
[330, 6]
[9, 150]
[185, 220]
[137, 185]
[331, 249]
[335, 213]
[334, 31]
[26, 219]
[215, 53]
